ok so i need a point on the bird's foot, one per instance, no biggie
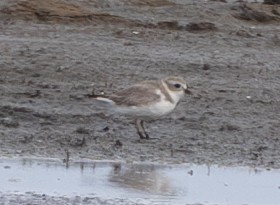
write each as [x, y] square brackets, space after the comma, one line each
[147, 136]
[141, 135]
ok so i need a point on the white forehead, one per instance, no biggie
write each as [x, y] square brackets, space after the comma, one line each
[176, 79]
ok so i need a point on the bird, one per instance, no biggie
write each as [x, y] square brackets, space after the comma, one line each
[147, 100]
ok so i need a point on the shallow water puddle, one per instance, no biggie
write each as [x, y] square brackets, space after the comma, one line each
[143, 183]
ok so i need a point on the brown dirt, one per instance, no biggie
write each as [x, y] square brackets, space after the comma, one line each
[53, 54]
[152, 3]
[257, 12]
[57, 11]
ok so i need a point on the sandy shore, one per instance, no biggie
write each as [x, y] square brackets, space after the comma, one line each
[54, 54]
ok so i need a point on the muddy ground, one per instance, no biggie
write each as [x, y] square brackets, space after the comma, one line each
[54, 53]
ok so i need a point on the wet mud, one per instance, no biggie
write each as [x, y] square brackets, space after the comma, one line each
[54, 55]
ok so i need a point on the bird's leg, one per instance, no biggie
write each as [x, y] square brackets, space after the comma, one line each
[140, 129]
[142, 125]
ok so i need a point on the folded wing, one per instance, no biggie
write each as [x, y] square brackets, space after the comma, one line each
[136, 96]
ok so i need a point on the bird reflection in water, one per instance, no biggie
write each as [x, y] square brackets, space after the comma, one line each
[141, 177]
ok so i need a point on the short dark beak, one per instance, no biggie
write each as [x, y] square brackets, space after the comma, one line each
[188, 92]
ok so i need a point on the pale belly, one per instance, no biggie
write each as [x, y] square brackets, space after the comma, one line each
[153, 111]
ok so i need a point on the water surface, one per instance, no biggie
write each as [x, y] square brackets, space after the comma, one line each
[145, 182]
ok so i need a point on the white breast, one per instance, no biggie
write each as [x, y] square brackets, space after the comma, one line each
[163, 106]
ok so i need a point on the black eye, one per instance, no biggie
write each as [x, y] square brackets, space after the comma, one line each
[177, 85]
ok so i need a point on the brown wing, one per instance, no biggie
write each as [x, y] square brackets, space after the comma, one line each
[135, 96]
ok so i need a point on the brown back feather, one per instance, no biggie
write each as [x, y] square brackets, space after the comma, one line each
[137, 95]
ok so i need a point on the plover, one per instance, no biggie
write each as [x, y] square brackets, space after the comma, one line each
[147, 100]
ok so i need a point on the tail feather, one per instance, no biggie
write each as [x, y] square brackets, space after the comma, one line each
[104, 99]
